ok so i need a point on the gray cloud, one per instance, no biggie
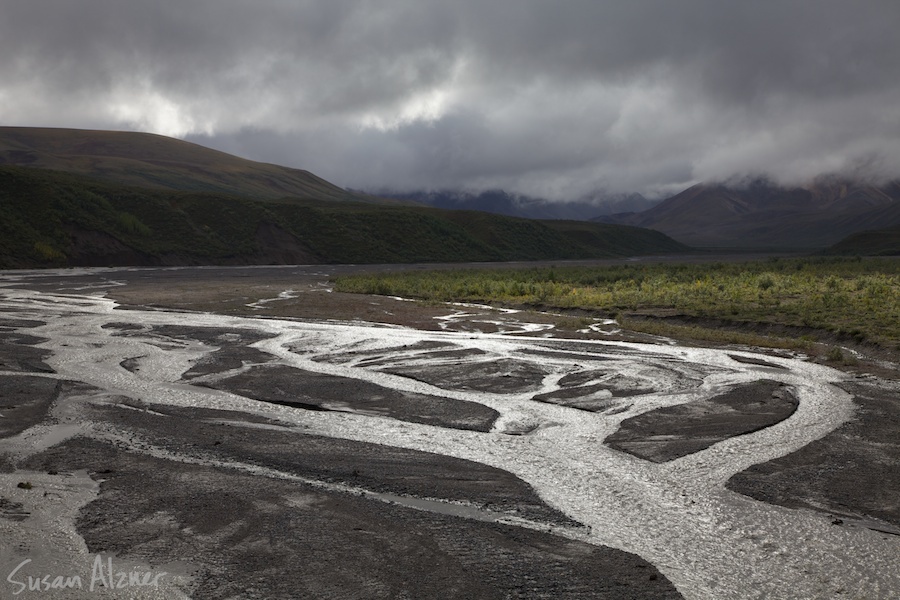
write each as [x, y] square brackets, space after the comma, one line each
[532, 96]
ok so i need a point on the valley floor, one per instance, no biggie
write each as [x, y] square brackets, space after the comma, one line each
[249, 432]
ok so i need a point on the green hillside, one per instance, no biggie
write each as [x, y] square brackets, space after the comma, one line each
[53, 218]
[880, 242]
[155, 161]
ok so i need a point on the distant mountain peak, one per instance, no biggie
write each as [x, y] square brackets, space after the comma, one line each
[756, 212]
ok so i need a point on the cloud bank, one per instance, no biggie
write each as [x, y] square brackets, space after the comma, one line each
[558, 100]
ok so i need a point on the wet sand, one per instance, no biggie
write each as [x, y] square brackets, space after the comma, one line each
[672, 432]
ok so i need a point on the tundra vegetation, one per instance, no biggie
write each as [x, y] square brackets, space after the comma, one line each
[778, 302]
[43, 213]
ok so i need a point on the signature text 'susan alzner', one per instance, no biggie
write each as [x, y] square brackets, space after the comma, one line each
[103, 575]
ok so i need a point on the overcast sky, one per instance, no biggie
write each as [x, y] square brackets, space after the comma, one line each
[550, 98]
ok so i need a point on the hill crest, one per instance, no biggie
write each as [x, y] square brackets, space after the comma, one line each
[155, 161]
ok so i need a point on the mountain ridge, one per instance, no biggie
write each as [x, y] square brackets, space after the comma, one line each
[763, 214]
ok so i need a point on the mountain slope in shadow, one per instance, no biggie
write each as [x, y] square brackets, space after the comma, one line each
[762, 214]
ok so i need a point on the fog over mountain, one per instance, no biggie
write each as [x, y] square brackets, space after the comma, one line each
[518, 205]
[555, 101]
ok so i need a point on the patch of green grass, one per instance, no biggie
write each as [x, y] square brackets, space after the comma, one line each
[854, 298]
[573, 323]
[712, 334]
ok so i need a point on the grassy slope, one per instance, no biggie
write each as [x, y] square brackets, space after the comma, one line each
[42, 212]
[148, 160]
[881, 242]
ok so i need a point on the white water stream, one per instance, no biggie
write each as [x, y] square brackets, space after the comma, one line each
[710, 542]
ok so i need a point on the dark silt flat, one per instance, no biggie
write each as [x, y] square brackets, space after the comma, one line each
[17, 353]
[231, 436]
[290, 386]
[755, 361]
[503, 376]
[253, 536]
[232, 345]
[853, 472]
[672, 432]
[24, 401]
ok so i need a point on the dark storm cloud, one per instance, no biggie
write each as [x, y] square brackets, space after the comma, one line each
[557, 99]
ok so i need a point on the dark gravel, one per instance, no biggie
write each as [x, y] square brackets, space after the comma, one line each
[672, 432]
[853, 472]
